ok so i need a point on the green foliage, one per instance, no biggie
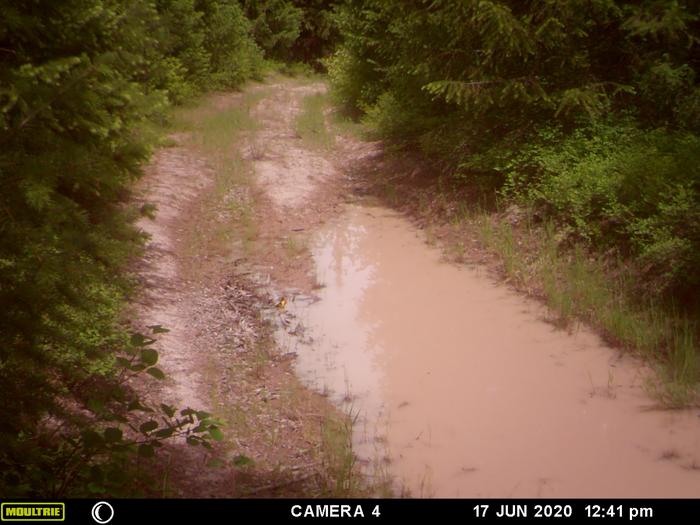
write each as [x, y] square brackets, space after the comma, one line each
[294, 30]
[96, 439]
[311, 123]
[78, 82]
[354, 70]
[181, 37]
[68, 154]
[318, 33]
[201, 44]
[276, 25]
[588, 109]
[233, 55]
[615, 185]
[348, 75]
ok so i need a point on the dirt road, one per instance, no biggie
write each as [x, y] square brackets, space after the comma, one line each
[212, 283]
[253, 236]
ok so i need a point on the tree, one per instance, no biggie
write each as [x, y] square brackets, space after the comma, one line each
[78, 79]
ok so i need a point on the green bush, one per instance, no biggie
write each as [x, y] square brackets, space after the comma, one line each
[587, 109]
[615, 185]
[294, 30]
[233, 55]
[276, 24]
[78, 81]
[318, 33]
[347, 76]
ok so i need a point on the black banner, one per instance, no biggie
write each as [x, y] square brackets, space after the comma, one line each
[120, 512]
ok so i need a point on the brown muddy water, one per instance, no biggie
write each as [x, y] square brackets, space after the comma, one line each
[460, 386]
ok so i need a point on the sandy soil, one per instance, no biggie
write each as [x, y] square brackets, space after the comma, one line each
[215, 301]
[300, 186]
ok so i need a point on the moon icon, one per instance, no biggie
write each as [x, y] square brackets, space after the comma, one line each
[108, 514]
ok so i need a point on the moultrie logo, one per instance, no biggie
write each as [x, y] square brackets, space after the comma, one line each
[25, 511]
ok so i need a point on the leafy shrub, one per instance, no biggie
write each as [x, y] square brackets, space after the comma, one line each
[589, 110]
[618, 185]
[78, 80]
[234, 56]
[318, 34]
[276, 24]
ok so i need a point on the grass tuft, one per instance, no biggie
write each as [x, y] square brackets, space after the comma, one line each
[311, 122]
[579, 286]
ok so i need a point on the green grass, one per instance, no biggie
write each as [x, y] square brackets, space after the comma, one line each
[295, 247]
[344, 478]
[296, 70]
[217, 128]
[339, 461]
[577, 285]
[348, 126]
[311, 123]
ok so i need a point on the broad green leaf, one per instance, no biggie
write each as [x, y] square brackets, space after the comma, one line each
[165, 432]
[148, 426]
[216, 433]
[149, 356]
[156, 372]
[96, 406]
[168, 410]
[91, 439]
[123, 362]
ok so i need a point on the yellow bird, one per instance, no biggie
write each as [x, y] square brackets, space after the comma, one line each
[282, 303]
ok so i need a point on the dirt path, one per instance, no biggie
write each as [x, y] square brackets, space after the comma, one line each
[288, 171]
[213, 287]
[175, 178]
[300, 185]
[240, 212]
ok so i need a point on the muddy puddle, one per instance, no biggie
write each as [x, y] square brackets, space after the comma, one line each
[462, 389]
